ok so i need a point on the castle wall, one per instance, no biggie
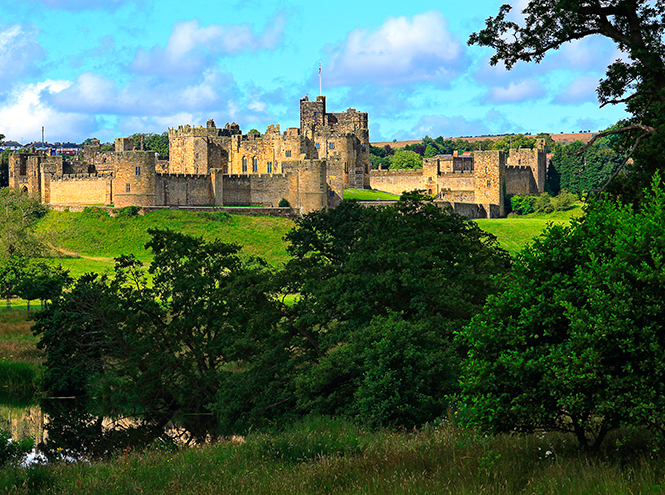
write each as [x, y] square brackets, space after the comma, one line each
[396, 181]
[520, 180]
[183, 190]
[255, 190]
[87, 189]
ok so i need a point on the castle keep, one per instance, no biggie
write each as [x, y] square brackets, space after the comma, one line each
[308, 166]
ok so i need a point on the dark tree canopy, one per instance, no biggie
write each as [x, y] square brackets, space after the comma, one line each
[575, 341]
[638, 79]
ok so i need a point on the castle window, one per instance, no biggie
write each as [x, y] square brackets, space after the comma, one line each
[362, 147]
[244, 165]
[255, 165]
[486, 170]
[489, 183]
[519, 162]
[128, 188]
[331, 146]
[269, 167]
[138, 170]
[288, 153]
[318, 146]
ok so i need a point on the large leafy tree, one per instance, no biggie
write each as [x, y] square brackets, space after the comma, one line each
[575, 341]
[381, 292]
[197, 348]
[637, 79]
[18, 213]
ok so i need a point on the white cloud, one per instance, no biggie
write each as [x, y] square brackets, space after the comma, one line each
[19, 50]
[143, 96]
[529, 89]
[402, 50]
[581, 90]
[25, 112]
[190, 47]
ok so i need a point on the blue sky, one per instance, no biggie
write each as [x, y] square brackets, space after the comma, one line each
[83, 68]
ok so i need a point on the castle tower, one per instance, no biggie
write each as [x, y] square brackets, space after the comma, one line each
[312, 115]
[134, 180]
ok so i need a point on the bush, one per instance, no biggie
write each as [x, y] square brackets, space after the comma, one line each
[13, 452]
[95, 211]
[523, 205]
[128, 211]
[564, 201]
[284, 203]
[543, 204]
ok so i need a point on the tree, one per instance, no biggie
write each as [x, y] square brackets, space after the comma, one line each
[405, 159]
[637, 28]
[380, 292]
[575, 340]
[41, 281]
[197, 348]
[582, 170]
[18, 213]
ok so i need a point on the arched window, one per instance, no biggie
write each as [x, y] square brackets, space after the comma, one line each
[269, 167]
[244, 165]
[255, 165]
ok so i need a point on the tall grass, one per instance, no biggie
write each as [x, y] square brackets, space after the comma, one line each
[332, 456]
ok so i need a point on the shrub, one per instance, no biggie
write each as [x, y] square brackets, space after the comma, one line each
[128, 211]
[284, 203]
[564, 201]
[95, 211]
[543, 204]
[11, 451]
[523, 205]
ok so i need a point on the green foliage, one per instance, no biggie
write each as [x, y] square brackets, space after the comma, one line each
[283, 203]
[154, 142]
[12, 451]
[254, 132]
[381, 289]
[576, 339]
[18, 381]
[198, 348]
[405, 159]
[523, 205]
[128, 211]
[581, 174]
[18, 213]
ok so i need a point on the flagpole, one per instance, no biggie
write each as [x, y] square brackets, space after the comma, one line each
[320, 92]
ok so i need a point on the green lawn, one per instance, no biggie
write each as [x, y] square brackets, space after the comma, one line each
[516, 232]
[368, 195]
[91, 241]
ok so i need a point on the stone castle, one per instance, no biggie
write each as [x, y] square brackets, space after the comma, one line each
[309, 167]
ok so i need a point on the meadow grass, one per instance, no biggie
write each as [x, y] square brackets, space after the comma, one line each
[515, 232]
[332, 456]
[368, 195]
[99, 238]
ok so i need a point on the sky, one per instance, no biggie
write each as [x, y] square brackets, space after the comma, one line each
[83, 68]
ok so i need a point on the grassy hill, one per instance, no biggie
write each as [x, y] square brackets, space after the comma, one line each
[90, 241]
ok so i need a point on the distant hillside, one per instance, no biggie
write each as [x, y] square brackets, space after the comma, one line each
[585, 137]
